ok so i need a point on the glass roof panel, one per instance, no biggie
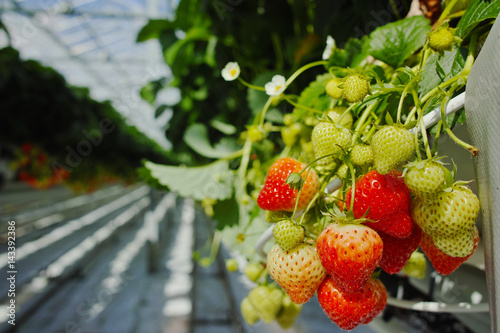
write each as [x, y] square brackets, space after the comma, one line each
[93, 44]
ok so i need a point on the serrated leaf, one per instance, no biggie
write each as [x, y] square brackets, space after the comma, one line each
[314, 95]
[477, 12]
[196, 137]
[353, 53]
[212, 181]
[393, 43]
[437, 69]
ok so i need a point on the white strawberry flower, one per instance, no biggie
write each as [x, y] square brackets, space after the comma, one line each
[231, 71]
[276, 86]
[330, 46]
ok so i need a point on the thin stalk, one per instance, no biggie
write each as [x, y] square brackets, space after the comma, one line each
[423, 130]
[436, 137]
[262, 114]
[249, 85]
[304, 68]
[361, 121]
[447, 10]
[289, 100]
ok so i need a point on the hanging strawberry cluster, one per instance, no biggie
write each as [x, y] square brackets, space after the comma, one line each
[359, 187]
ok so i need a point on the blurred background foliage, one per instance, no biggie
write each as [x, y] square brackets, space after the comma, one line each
[44, 124]
[265, 38]
[40, 109]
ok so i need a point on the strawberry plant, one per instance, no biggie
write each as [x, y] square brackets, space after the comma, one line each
[338, 160]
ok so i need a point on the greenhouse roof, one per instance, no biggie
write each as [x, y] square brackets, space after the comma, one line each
[92, 43]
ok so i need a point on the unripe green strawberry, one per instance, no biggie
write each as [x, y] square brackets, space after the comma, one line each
[450, 220]
[256, 134]
[333, 90]
[328, 138]
[426, 179]
[250, 315]
[253, 270]
[288, 234]
[441, 39]
[289, 312]
[361, 155]
[290, 134]
[356, 88]
[416, 266]
[276, 216]
[343, 171]
[392, 145]
[339, 116]
[266, 300]
[232, 265]
[288, 119]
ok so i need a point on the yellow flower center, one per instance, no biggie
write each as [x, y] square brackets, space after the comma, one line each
[233, 72]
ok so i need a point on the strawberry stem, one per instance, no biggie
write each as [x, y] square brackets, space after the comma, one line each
[249, 85]
[304, 68]
[423, 130]
[361, 123]
[436, 137]
[289, 100]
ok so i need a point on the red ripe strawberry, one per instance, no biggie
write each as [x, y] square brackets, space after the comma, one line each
[387, 200]
[278, 195]
[350, 253]
[381, 302]
[444, 264]
[298, 271]
[397, 251]
[348, 310]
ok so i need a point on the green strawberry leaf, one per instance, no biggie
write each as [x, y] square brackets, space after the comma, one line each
[477, 12]
[393, 43]
[438, 69]
[212, 181]
[196, 137]
[354, 52]
[314, 95]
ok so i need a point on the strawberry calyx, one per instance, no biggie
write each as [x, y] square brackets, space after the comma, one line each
[295, 180]
[346, 217]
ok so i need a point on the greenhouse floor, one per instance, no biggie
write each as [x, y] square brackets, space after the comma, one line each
[121, 260]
